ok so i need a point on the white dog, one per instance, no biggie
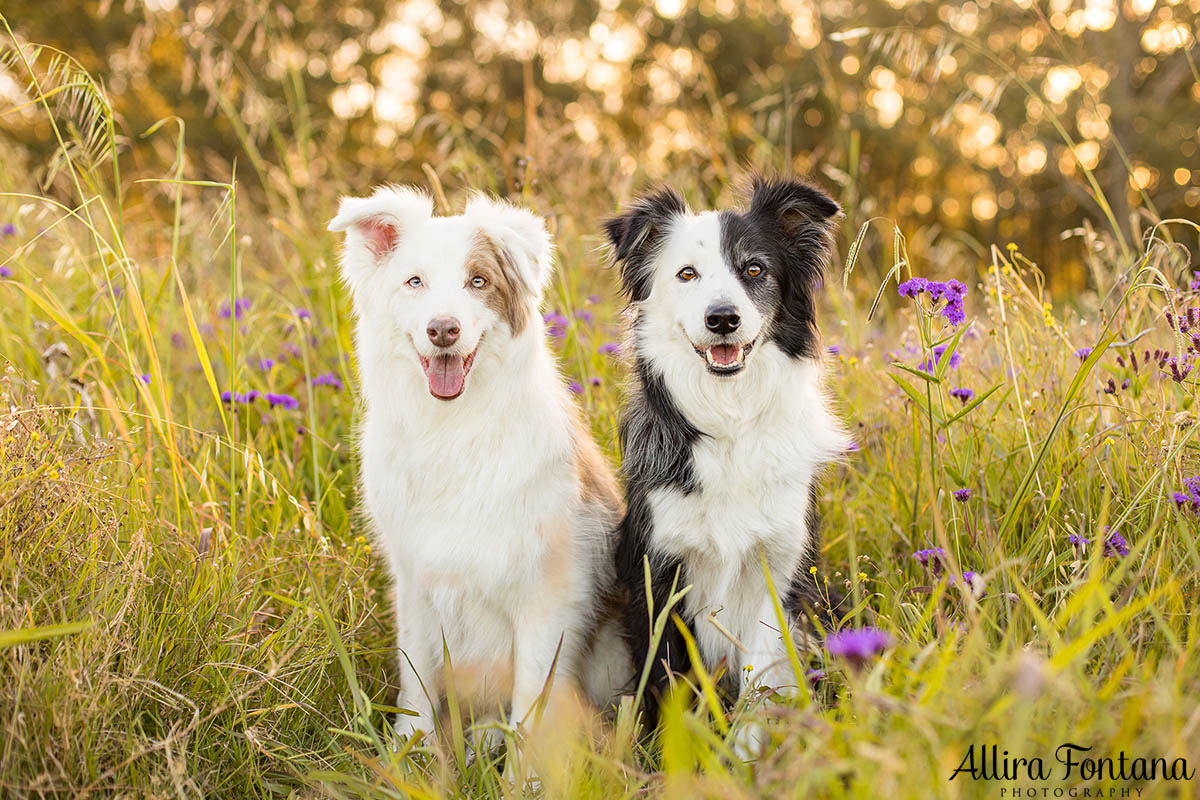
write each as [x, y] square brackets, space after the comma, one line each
[495, 508]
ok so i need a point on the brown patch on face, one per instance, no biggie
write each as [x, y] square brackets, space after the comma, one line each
[596, 480]
[505, 293]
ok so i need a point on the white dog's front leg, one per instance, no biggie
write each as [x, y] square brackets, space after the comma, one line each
[764, 665]
[420, 660]
[542, 634]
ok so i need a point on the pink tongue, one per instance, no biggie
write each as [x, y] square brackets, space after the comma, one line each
[446, 375]
[724, 353]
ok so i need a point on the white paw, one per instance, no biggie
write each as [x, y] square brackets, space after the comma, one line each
[750, 742]
[484, 742]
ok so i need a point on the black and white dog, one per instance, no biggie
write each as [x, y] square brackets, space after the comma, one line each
[727, 427]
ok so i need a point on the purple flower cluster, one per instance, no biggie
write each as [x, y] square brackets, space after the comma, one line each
[1115, 545]
[1112, 388]
[558, 324]
[952, 291]
[938, 352]
[266, 364]
[575, 387]
[240, 306]
[1189, 499]
[8, 229]
[609, 349]
[330, 380]
[144, 378]
[931, 558]
[1082, 353]
[974, 582]
[962, 495]
[858, 646]
[244, 398]
[283, 400]
[5, 272]
[963, 395]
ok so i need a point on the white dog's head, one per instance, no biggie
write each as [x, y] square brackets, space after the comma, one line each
[438, 289]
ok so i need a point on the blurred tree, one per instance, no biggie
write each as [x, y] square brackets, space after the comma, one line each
[981, 117]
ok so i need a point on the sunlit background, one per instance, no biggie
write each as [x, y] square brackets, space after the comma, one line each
[996, 120]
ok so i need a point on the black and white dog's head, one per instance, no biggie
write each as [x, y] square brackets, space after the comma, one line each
[717, 286]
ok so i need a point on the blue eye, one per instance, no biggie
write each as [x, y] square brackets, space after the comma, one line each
[414, 282]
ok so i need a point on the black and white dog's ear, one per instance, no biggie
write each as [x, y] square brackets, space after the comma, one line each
[793, 205]
[374, 226]
[800, 218]
[635, 234]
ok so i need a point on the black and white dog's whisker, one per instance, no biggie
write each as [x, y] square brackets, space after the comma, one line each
[727, 427]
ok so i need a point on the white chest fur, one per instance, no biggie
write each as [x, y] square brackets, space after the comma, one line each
[764, 437]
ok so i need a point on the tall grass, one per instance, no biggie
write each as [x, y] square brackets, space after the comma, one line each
[189, 604]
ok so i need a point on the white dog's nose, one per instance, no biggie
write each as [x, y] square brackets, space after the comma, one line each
[443, 331]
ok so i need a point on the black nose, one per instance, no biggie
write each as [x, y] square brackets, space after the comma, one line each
[443, 331]
[722, 319]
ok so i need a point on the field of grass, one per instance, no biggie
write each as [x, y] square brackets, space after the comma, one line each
[190, 605]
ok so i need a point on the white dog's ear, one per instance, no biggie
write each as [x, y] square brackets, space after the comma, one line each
[375, 224]
[521, 233]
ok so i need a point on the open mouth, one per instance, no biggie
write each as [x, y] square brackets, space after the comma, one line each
[447, 373]
[725, 359]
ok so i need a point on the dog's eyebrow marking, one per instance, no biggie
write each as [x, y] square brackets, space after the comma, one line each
[506, 297]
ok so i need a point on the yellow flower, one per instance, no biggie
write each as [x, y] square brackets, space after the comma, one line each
[812, 570]
[862, 576]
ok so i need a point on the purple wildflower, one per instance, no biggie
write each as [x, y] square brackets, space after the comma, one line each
[937, 290]
[303, 313]
[962, 495]
[974, 582]
[853, 446]
[576, 387]
[238, 397]
[963, 395]
[8, 229]
[1077, 541]
[266, 364]
[955, 359]
[912, 287]
[931, 558]
[834, 350]
[240, 306]
[956, 288]
[954, 313]
[1188, 500]
[858, 646]
[585, 315]
[330, 380]
[595, 381]
[285, 400]
[609, 349]
[5, 272]
[816, 675]
[144, 378]
[1082, 353]
[1115, 545]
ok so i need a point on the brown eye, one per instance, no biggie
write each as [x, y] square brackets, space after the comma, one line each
[479, 282]
[754, 269]
[686, 274]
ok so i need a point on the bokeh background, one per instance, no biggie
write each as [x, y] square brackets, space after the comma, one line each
[992, 120]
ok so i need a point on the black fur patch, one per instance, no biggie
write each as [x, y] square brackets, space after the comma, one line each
[636, 235]
[789, 225]
[656, 444]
